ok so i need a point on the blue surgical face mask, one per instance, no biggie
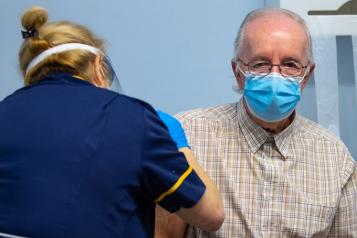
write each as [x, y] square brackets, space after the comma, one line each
[273, 97]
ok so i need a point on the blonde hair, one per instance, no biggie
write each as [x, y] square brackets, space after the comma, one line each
[47, 35]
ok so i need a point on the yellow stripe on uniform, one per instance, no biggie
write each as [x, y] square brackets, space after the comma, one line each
[175, 186]
[78, 77]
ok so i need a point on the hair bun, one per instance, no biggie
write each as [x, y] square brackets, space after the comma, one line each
[34, 18]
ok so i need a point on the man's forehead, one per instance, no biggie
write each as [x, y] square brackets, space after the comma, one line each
[270, 32]
[273, 21]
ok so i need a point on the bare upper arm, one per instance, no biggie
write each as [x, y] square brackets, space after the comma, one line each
[168, 225]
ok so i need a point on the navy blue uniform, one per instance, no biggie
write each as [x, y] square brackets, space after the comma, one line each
[81, 161]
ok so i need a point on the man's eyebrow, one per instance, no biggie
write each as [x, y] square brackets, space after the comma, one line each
[260, 58]
[267, 59]
[289, 58]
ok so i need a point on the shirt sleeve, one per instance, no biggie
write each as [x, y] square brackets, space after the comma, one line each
[345, 221]
[166, 176]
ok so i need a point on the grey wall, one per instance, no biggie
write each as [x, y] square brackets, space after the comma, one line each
[347, 92]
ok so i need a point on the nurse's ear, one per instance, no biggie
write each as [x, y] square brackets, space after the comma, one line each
[99, 78]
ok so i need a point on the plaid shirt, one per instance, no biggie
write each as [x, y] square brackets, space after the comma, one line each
[301, 182]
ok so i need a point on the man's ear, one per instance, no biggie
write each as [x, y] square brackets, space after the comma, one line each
[99, 79]
[237, 74]
[308, 76]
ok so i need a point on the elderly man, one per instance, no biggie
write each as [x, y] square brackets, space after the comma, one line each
[280, 174]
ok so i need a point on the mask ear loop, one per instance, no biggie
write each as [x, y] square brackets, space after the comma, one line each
[303, 77]
[236, 87]
[306, 71]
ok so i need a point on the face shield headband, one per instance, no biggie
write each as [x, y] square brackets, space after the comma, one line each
[113, 79]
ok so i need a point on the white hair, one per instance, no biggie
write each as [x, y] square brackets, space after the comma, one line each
[265, 11]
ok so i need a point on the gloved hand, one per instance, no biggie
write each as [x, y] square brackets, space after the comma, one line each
[175, 129]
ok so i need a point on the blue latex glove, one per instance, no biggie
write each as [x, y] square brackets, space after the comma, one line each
[175, 129]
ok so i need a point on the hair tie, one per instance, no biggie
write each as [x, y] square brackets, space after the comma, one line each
[29, 33]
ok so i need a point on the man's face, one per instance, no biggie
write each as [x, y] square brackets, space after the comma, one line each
[276, 39]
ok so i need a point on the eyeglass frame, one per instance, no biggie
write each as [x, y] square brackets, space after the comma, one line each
[270, 70]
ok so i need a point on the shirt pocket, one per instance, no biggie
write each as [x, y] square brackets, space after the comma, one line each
[308, 219]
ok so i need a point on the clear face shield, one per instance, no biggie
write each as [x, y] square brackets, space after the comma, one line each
[114, 84]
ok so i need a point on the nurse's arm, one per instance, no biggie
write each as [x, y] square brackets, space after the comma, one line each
[168, 225]
[207, 214]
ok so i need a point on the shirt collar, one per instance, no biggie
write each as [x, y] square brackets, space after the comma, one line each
[256, 136]
[283, 139]
[55, 78]
[64, 78]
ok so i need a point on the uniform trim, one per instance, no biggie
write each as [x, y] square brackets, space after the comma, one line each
[10, 235]
[78, 77]
[175, 186]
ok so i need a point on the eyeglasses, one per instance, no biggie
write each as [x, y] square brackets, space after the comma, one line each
[289, 68]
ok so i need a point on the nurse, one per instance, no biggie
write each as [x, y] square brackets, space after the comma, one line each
[79, 160]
